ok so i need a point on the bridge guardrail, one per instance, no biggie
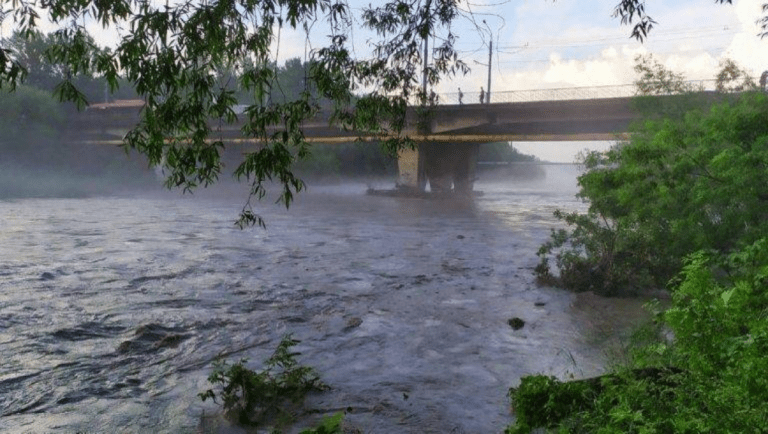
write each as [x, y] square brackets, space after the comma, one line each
[557, 94]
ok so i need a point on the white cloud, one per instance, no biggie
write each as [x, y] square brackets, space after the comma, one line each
[596, 51]
[748, 13]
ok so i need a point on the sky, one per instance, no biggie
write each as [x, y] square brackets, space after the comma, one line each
[544, 44]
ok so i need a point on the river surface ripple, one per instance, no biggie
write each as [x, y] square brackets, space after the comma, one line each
[113, 309]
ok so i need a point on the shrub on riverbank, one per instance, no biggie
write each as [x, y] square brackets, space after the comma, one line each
[697, 183]
[683, 205]
[710, 378]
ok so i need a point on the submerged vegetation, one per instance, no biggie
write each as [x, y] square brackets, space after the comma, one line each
[269, 396]
[682, 206]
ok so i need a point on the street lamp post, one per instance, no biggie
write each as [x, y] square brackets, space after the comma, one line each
[490, 51]
[490, 58]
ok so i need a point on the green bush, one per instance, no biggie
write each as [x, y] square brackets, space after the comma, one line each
[684, 205]
[542, 401]
[692, 177]
[709, 378]
[253, 398]
[679, 186]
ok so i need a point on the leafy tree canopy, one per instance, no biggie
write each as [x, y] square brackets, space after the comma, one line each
[34, 55]
[692, 180]
[180, 56]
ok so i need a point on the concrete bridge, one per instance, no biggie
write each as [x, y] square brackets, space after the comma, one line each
[446, 154]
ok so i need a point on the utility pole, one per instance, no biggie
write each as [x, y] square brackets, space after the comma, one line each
[490, 57]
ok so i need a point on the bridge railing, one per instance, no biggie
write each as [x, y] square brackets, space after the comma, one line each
[557, 94]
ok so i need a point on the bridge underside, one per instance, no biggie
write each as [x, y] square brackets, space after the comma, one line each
[445, 167]
[446, 157]
[447, 161]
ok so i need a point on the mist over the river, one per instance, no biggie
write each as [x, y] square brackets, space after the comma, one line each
[34, 166]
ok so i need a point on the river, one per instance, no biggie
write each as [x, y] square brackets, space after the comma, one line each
[113, 308]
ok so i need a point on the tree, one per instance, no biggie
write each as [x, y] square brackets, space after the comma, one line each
[662, 93]
[693, 180]
[176, 56]
[28, 115]
[291, 80]
[32, 55]
[732, 78]
[35, 53]
[654, 79]
[683, 204]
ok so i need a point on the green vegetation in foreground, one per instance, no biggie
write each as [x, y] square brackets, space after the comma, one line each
[267, 397]
[709, 378]
[329, 425]
[685, 204]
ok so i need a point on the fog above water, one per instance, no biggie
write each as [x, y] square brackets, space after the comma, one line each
[48, 168]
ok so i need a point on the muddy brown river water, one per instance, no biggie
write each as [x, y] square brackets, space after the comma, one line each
[112, 309]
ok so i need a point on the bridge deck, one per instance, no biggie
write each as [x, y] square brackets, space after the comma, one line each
[570, 120]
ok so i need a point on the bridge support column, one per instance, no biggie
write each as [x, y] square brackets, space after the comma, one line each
[410, 167]
[450, 166]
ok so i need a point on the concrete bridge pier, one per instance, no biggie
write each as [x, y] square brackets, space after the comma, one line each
[410, 170]
[448, 167]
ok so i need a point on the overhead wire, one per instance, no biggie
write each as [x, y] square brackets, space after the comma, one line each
[668, 36]
[614, 41]
[570, 59]
[686, 33]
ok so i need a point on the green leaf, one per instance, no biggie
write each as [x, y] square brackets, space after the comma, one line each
[726, 295]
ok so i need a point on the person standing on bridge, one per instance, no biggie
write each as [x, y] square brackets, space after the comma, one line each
[461, 95]
[482, 95]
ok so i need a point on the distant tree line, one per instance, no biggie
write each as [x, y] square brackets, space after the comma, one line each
[35, 161]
